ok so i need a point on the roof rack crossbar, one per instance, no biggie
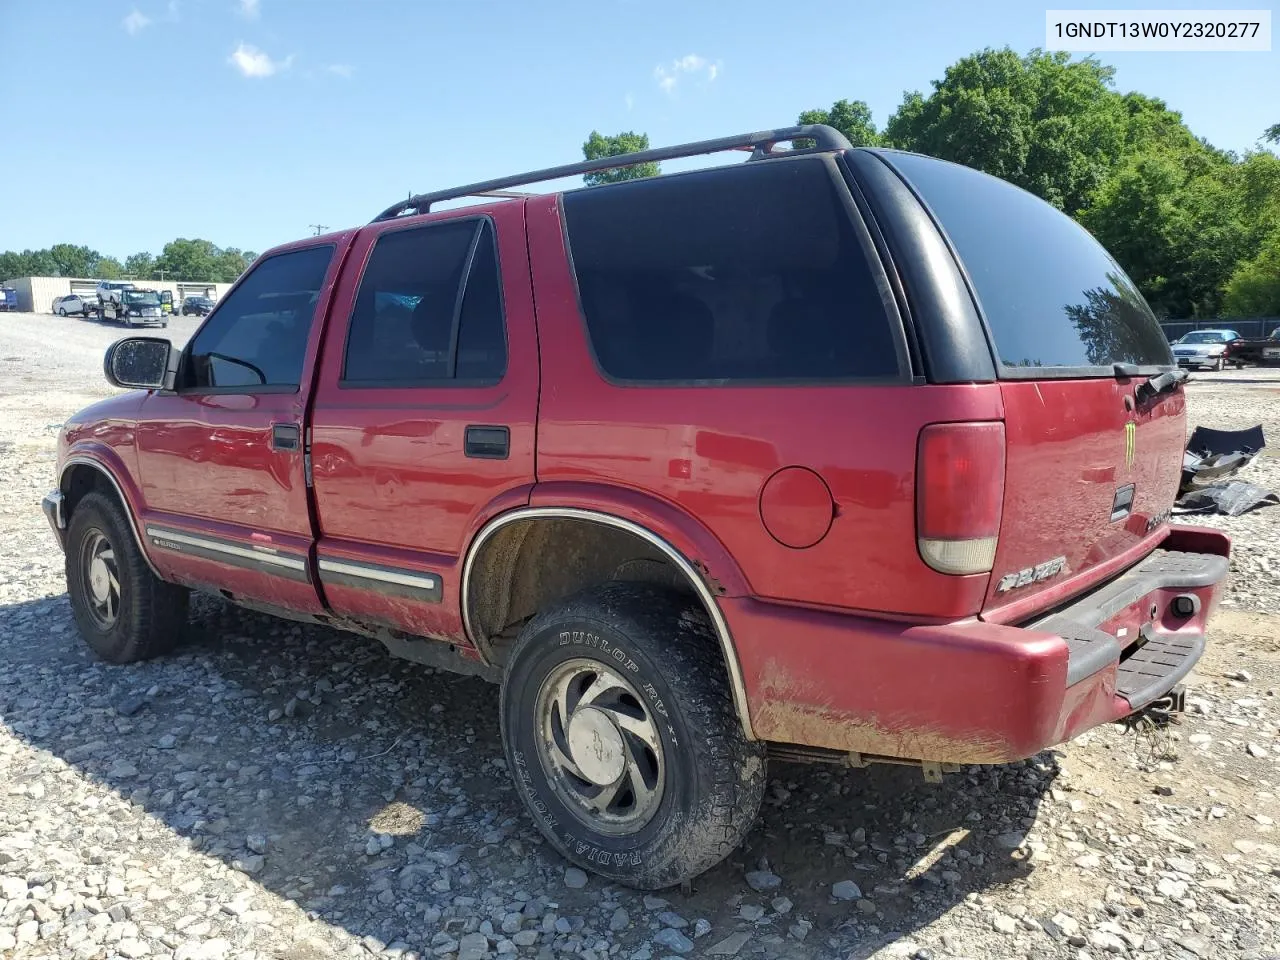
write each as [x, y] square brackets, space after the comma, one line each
[760, 142]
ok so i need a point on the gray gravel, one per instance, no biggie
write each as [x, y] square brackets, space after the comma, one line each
[276, 791]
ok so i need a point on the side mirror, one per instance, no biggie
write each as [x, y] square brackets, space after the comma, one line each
[141, 363]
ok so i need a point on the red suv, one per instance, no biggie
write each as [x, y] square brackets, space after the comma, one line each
[839, 455]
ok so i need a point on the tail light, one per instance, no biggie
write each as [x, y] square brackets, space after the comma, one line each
[959, 495]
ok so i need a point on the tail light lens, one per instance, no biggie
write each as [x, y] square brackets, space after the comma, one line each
[959, 495]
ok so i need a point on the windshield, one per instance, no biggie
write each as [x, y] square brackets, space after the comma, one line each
[1204, 336]
[1051, 295]
[145, 298]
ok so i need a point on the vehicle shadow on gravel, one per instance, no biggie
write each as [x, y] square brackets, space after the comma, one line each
[373, 793]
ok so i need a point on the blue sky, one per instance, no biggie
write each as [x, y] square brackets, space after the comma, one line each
[126, 123]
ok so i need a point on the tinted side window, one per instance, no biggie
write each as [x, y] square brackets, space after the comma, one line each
[747, 273]
[258, 336]
[429, 309]
[1052, 296]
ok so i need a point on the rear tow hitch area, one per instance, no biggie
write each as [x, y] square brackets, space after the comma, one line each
[1159, 713]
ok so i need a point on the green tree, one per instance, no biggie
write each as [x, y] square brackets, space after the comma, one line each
[1178, 225]
[1273, 133]
[598, 146]
[184, 259]
[1044, 121]
[229, 264]
[11, 265]
[181, 260]
[1254, 287]
[850, 117]
[140, 265]
[73, 261]
[28, 263]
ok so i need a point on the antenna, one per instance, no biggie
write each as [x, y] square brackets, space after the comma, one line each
[318, 227]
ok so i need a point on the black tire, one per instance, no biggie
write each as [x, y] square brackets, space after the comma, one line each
[149, 613]
[712, 778]
[62, 312]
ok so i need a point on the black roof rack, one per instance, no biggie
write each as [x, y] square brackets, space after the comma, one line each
[760, 143]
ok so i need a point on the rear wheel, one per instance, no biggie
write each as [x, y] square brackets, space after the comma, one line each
[620, 731]
[124, 611]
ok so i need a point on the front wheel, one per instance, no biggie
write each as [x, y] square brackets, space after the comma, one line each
[62, 312]
[1218, 365]
[125, 613]
[620, 730]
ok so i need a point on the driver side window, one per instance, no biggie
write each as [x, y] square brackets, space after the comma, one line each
[258, 335]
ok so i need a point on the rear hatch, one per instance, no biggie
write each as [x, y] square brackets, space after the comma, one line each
[1092, 461]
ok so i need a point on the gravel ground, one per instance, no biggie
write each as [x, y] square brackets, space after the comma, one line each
[276, 791]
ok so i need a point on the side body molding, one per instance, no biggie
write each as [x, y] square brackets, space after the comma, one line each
[718, 622]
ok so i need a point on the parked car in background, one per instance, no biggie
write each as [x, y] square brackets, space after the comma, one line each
[8, 299]
[1204, 348]
[673, 533]
[1271, 348]
[1261, 350]
[197, 306]
[109, 291]
[74, 304]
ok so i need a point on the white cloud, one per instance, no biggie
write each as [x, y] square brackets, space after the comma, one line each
[343, 70]
[173, 11]
[668, 75]
[254, 63]
[249, 9]
[631, 101]
[136, 21]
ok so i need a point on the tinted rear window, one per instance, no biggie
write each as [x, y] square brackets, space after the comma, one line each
[740, 274]
[1052, 296]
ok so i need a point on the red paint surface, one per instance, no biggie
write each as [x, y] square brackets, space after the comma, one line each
[960, 692]
[796, 507]
[1064, 462]
[851, 643]
[392, 483]
[861, 441]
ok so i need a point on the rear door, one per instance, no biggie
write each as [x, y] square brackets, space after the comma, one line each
[221, 458]
[424, 416]
[1092, 464]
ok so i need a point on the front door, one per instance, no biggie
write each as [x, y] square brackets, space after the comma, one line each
[424, 415]
[221, 458]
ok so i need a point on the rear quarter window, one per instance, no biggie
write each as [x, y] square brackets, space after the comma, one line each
[1054, 300]
[745, 274]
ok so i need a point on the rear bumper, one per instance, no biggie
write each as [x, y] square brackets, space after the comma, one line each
[977, 692]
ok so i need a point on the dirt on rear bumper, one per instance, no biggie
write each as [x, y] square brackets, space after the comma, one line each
[976, 692]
